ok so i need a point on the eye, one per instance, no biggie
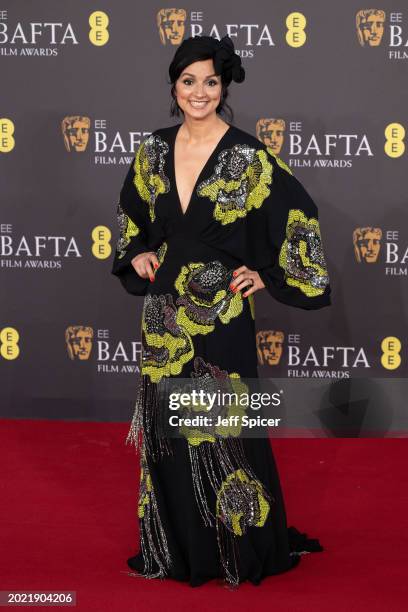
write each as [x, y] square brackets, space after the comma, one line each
[186, 81]
[212, 81]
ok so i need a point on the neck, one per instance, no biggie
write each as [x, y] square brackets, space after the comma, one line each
[200, 130]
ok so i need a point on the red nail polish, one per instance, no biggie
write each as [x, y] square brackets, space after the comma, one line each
[156, 265]
[234, 274]
[151, 279]
[232, 287]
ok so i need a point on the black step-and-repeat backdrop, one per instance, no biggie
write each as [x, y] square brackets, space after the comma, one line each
[82, 83]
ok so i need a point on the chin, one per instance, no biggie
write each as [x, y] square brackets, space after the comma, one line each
[196, 112]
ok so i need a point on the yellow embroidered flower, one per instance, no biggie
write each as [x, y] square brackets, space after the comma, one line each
[241, 503]
[239, 182]
[205, 295]
[166, 345]
[301, 255]
[211, 379]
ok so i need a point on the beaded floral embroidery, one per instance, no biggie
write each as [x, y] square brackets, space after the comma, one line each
[127, 228]
[239, 182]
[241, 503]
[166, 345]
[205, 295]
[161, 252]
[212, 379]
[150, 179]
[301, 254]
[167, 327]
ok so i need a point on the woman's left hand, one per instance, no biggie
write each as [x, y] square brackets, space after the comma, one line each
[244, 277]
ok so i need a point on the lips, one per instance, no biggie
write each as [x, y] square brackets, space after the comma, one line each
[198, 104]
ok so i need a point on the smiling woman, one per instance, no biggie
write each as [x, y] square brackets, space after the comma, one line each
[208, 215]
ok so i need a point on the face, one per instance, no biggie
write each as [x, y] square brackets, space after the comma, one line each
[198, 90]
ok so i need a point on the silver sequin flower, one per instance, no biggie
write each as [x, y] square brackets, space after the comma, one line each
[127, 229]
[150, 178]
[302, 254]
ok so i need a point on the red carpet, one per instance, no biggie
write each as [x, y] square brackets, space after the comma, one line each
[68, 502]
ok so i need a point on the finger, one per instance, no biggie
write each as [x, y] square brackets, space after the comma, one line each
[241, 282]
[234, 283]
[239, 271]
[247, 282]
[149, 269]
[253, 286]
[154, 260]
[249, 291]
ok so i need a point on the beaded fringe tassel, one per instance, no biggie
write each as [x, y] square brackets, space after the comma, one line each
[153, 541]
[217, 460]
[148, 420]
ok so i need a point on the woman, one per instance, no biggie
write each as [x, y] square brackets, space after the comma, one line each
[208, 215]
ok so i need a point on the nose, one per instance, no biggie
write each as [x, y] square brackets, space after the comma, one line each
[199, 91]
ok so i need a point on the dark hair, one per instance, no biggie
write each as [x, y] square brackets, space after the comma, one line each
[223, 107]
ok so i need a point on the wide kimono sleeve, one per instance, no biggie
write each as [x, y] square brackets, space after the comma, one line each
[285, 242]
[139, 229]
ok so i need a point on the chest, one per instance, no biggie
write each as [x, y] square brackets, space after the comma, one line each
[189, 163]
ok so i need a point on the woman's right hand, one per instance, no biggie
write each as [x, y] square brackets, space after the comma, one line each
[146, 264]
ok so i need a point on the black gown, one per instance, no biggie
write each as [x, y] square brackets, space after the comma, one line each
[211, 506]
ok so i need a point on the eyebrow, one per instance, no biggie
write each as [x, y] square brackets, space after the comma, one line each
[207, 77]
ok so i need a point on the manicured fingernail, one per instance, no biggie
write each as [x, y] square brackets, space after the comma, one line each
[232, 287]
[151, 279]
[156, 265]
[234, 273]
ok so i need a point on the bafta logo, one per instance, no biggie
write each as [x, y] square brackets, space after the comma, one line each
[370, 27]
[270, 132]
[269, 346]
[171, 23]
[79, 341]
[367, 243]
[75, 130]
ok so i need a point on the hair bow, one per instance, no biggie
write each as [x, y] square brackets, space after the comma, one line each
[227, 61]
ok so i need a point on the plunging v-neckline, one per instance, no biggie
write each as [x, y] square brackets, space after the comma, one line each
[214, 151]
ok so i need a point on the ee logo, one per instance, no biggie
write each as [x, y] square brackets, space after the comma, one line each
[391, 348]
[9, 338]
[99, 34]
[101, 236]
